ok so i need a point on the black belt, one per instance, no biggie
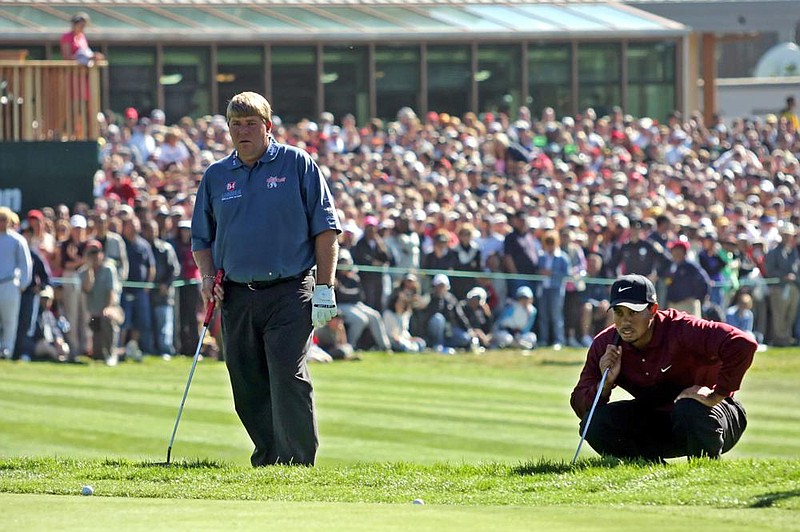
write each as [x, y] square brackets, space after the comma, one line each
[263, 285]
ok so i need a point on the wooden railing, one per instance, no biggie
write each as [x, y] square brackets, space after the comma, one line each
[49, 100]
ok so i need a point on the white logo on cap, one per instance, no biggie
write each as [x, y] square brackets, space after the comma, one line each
[623, 288]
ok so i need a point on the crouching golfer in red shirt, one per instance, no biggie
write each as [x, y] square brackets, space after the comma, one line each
[681, 371]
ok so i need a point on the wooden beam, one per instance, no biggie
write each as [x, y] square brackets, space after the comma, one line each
[709, 77]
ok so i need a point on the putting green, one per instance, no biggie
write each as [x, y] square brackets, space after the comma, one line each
[65, 513]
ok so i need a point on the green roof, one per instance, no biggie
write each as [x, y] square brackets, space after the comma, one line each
[279, 21]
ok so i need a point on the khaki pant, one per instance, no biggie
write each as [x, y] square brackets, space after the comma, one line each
[783, 301]
[690, 306]
[74, 309]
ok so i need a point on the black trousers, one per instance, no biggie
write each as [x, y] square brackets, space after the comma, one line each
[631, 429]
[188, 334]
[267, 334]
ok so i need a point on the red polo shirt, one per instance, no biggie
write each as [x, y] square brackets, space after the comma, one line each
[684, 351]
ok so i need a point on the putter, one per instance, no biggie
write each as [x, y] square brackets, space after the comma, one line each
[209, 314]
[617, 341]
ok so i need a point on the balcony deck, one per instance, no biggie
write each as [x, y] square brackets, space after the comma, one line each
[48, 100]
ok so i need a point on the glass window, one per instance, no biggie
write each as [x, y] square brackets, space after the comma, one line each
[396, 79]
[651, 79]
[599, 77]
[462, 19]
[100, 19]
[568, 18]
[449, 79]
[149, 18]
[498, 77]
[345, 81]
[550, 78]
[238, 69]
[294, 82]
[620, 18]
[186, 82]
[360, 18]
[132, 78]
[512, 17]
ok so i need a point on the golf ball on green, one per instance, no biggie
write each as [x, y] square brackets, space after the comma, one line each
[418, 501]
[87, 490]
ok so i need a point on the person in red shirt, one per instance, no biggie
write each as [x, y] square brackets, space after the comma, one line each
[120, 185]
[74, 44]
[681, 370]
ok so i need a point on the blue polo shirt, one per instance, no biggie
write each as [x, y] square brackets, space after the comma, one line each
[261, 222]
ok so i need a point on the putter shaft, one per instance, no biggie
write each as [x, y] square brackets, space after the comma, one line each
[591, 413]
[209, 314]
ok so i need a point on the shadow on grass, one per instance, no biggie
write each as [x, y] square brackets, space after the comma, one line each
[555, 362]
[769, 499]
[198, 463]
[553, 467]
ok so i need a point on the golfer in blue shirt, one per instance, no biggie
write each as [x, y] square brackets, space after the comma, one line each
[265, 215]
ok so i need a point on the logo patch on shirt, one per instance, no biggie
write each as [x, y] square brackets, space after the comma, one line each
[664, 370]
[273, 181]
[231, 186]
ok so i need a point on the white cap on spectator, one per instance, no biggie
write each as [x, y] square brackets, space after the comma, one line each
[441, 279]
[524, 291]
[478, 292]
[78, 221]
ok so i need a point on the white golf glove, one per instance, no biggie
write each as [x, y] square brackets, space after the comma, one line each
[323, 305]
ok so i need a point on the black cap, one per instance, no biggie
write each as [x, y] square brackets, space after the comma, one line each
[633, 291]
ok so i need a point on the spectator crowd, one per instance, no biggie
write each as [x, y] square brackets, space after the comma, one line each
[460, 233]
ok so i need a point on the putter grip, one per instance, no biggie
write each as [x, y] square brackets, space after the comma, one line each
[212, 302]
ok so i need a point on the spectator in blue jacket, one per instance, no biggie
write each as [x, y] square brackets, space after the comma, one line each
[554, 266]
[447, 325]
[514, 324]
[740, 315]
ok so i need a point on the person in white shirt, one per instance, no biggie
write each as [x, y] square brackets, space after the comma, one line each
[16, 271]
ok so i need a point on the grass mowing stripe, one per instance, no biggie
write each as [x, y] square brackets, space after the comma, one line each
[133, 448]
[522, 432]
[115, 405]
[447, 411]
[464, 386]
[141, 389]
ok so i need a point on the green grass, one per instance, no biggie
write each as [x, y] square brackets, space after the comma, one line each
[484, 440]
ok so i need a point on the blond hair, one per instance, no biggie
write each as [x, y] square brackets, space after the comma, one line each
[249, 104]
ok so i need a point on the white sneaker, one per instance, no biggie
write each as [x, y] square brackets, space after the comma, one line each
[132, 351]
[475, 345]
[112, 360]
